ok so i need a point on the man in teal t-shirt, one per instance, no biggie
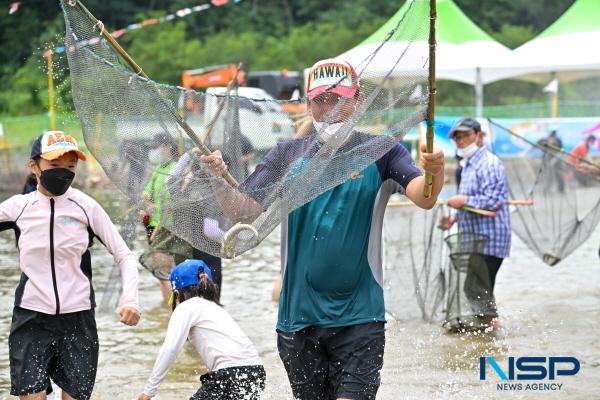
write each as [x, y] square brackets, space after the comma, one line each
[331, 311]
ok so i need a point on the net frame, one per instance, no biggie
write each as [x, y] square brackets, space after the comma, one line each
[470, 299]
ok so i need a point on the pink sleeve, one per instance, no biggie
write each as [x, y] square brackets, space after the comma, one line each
[108, 234]
[8, 209]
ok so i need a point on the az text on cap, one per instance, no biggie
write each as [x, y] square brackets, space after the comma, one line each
[57, 143]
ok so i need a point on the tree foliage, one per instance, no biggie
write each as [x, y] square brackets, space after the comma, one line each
[263, 34]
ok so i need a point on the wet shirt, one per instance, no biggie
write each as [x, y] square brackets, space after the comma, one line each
[54, 235]
[157, 190]
[484, 183]
[331, 246]
[214, 334]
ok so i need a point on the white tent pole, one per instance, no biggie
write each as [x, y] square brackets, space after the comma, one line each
[478, 94]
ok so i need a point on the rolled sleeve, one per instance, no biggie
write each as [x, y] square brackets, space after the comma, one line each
[493, 190]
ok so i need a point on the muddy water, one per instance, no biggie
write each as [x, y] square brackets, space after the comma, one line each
[544, 312]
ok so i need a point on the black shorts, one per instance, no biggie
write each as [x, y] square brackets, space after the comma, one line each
[61, 347]
[233, 383]
[329, 363]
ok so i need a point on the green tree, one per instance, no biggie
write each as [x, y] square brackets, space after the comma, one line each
[513, 36]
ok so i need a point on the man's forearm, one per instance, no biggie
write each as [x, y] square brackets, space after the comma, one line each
[238, 206]
[414, 191]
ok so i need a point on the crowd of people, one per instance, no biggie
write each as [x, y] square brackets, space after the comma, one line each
[331, 317]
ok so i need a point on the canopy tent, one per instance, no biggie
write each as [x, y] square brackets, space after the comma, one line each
[567, 50]
[463, 51]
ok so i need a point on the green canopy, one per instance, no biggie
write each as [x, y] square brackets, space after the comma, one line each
[463, 49]
[567, 50]
[582, 16]
[453, 25]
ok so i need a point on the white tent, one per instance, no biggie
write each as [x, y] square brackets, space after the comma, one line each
[463, 53]
[567, 50]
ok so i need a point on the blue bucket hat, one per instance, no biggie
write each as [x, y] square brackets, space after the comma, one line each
[187, 273]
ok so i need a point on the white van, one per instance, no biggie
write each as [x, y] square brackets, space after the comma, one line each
[263, 121]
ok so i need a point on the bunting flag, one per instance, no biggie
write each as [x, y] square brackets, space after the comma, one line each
[14, 7]
[184, 12]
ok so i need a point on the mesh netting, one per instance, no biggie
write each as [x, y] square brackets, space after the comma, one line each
[123, 115]
[470, 295]
[566, 198]
[442, 276]
[416, 263]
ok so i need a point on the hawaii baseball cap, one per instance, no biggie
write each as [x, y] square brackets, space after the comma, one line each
[465, 125]
[333, 76]
[187, 273]
[53, 144]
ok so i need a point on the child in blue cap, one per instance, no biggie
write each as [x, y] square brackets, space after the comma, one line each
[235, 370]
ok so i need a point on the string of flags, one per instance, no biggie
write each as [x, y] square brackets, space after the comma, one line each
[184, 12]
[14, 7]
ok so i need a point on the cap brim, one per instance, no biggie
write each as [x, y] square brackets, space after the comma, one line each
[54, 154]
[343, 91]
[459, 129]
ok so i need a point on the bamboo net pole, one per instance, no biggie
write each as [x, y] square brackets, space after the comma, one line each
[232, 83]
[432, 92]
[474, 210]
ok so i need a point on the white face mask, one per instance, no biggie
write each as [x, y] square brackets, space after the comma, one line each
[154, 156]
[467, 152]
[331, 134]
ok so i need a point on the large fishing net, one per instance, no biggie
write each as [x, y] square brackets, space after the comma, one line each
[443, 276]
[123, 115]
[437, 275]
[470, 297]
[565, 191]
[416, 262]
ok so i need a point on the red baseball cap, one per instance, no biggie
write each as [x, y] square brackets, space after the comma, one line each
[334, 76]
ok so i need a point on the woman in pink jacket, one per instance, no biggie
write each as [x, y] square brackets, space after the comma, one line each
[53, 333]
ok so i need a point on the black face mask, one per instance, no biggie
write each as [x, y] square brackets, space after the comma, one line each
[57, 180]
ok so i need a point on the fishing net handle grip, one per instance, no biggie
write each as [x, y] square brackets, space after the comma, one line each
[428, 188]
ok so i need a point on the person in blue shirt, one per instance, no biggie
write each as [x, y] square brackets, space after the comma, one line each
[483, 186]
[331, 318]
